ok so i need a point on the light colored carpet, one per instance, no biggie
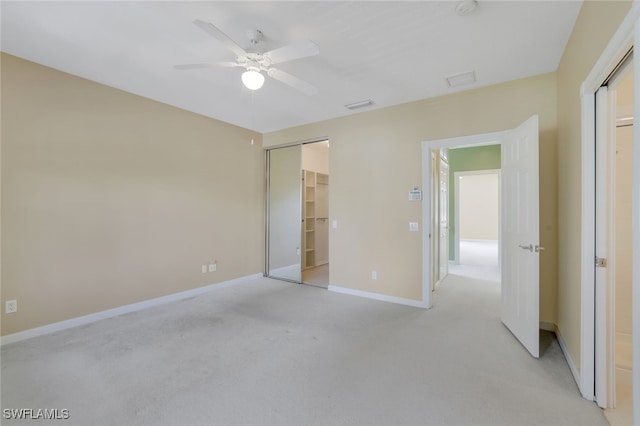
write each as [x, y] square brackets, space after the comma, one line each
[276, 353]
[478, 259]
[479, 253]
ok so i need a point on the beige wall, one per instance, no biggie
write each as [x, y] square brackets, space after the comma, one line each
[478, 209]
[624, 246]
[109, 198]
[596, 23]
[315, 157]
[375, 159]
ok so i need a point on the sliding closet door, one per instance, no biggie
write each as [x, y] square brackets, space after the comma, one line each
[284, 210]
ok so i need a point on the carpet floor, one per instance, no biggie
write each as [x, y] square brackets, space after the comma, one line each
[266, 352]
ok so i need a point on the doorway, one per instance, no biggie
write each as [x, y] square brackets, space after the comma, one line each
[519, 233]
[297, 213]
[475, 207]
[594, 319]
[614, 246]
[315, 214]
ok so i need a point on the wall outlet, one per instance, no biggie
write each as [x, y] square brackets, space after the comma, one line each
[213, 267]
[204, 269]
[10, 306]
[374, 275]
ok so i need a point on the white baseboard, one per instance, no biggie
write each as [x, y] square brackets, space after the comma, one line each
[547, 326]
[567, 356]
[110, 313]
[377, 296]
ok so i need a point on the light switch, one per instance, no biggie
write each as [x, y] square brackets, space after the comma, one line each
[334, 224]
[413, 226]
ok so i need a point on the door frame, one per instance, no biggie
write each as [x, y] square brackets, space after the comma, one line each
[627, 35]
[456, 207]
[267, 199]
[494, 138]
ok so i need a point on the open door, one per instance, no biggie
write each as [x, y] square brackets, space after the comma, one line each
[284, 205]
[520, 234]
[444, 219]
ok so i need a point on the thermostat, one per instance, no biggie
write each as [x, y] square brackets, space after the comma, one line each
[415, 194]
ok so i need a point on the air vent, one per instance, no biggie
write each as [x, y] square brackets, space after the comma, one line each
[361, 104]
[461, 79]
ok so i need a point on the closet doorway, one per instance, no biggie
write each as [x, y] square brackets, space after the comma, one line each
[614, 213]
[297, 210]
[315, 217]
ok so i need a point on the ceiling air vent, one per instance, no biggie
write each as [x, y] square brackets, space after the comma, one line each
[361, 104]
[461, 79]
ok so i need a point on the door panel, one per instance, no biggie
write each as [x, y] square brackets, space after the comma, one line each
[285, 213]
[520, 234]
[444, 219]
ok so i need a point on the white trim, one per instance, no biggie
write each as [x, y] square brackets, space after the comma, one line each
[615, 51]
[427, 267]
[377, 296]
[617, 48]
[493, 138]
[110, 313]
[635, 229]
[567, 356]
[586, 380]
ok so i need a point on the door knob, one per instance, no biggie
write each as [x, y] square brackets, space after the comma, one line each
[527, 247]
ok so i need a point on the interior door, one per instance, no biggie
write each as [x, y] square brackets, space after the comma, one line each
[435, 223]
[520, 234]
[284, 211]
[604, 341]
[444, 219]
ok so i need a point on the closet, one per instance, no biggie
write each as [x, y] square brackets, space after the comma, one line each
[315, 221]
[297, 210]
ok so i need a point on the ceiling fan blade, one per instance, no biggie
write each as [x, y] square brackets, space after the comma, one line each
[292, 81]
[293, 51]
[216, 33]
[198, 66]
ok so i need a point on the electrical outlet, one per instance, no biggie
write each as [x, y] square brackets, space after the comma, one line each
[213, 267]
[11, 306]
[374, 275]
[204, 269]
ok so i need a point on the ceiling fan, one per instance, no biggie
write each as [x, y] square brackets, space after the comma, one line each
[254, 63]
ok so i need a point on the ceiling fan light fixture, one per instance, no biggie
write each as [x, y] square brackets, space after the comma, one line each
[252, 79]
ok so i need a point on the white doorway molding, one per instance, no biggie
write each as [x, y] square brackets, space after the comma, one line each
[627, 35]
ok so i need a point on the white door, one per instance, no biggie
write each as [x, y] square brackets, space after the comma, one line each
[444, 219]
[435, 223]
[520, 234]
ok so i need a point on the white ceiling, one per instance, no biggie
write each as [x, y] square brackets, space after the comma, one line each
[390, 52]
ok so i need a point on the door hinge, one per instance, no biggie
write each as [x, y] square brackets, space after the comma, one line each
[601, 262]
